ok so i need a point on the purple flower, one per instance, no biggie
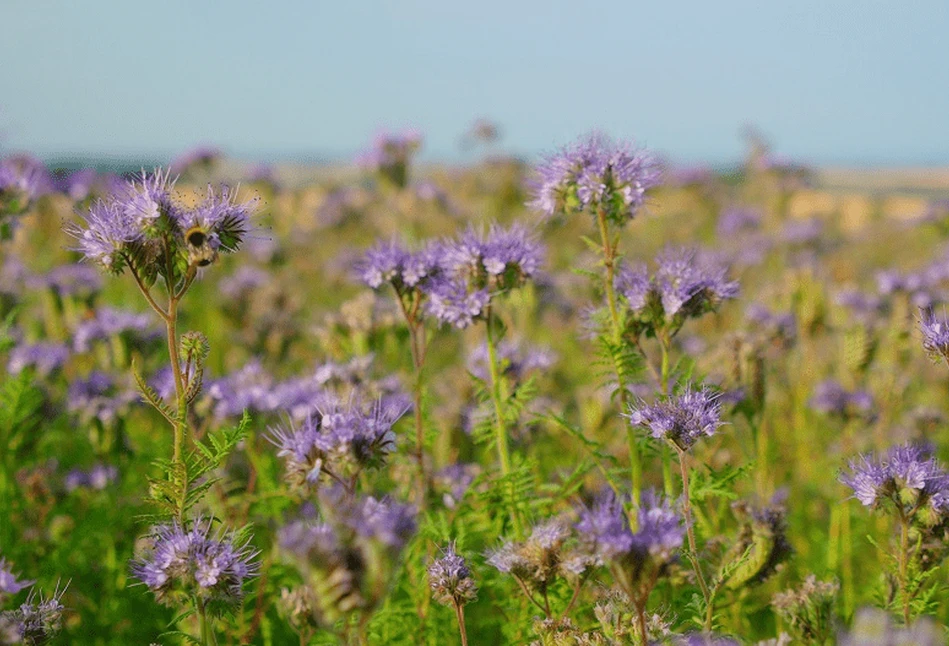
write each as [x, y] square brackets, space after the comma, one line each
[35, 622]
[689, 285]
[682, 419]
[595, 173]
[738, 219]
[9, 584]
[450, 579]
[537, 560]
[46, 358]
[110, 323]
[833, 399]
[935, 335]
[69, 280]
[391, 155]
[604, 530]
[513, 249]
[196, 157]
[908, 476]
[146, 199]
[516, 359]
[633, 284]
[193, 563]
[450, 302]
[97, 478]
[98, 397]
[218, 223]
[338, 442]
[105, 235]
[454, 481]
[242, 282]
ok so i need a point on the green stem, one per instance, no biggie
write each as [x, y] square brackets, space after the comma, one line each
[904, 568]
[609, 262]
[500, 432]
[208, 638]
[690, 532]
[665, 452]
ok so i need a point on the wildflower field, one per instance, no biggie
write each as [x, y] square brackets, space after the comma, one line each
[584, 399]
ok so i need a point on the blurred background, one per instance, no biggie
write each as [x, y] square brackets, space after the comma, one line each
[844, 84]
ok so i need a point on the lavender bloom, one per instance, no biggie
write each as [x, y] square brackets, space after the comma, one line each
[45, 358]
[193, 563]
[634, 285]
[681, 419]
[803, 232]
[146, 199]
[218, 223]
[449, 302]
[242, 282]
[935, 335]
[536, 561]
[738, 219]
[874, 627]
[779, 325]
[9, 584]
[69, 280]
[687, 284]
[21, 181]
[385, 521]
[605, 532]
[338, 442]
[35, 622]
[98, 397]
[391, 155]
[833, 399]
[97, 478]
[450, 579]
[595, 173]
[109, 323]
[908, 476]
[866, 308]
[105, 236]
[516, 360]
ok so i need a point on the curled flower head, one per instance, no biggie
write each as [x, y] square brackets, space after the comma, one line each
[450, 579]
[339, 441]
[907, 476]
[191, 562]
[218, 224]
[537, 560]
[595, 173]
[36, 621]
[682, 419]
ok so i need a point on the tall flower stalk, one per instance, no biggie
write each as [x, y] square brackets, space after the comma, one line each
[609, 180]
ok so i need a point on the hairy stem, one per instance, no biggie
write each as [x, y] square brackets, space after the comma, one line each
[500, 432]
[460, 615]
[690, 532]
[609, 262]
[904, 567]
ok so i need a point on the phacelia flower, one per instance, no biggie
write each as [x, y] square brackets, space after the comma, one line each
[833, 399]
[44, 357]
[191, 562]
[218, 224]
[109, 323]
[809, 610]
[537, 560]
[906, 476]
[682, 419]
[338, 442]
[9, 584]
[595, 173]
[35, 622]
[450, 579]
[935, 336]
[636, 558]
[391, 155]
[874, 627]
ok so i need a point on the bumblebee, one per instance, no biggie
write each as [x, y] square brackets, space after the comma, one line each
[200, 251]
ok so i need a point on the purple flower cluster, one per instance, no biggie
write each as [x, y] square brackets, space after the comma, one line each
[110, 323]
[391, 263]
[935, 335]
[35, 622]
[69, 280]
[682, 419]
[350, 558]
[97, 478]
[595, 173]
[516, 359]
[773, 325]
[338, 442]
[685, 285]
[538, 560]
[131, 226]
[98, 397]
[865, 308]
[44, 357]
[908, 476]
[833, 399]
[738, 219]
[192, 563]
[450, 579]
[21, 181]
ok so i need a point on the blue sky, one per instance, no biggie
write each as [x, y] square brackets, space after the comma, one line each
[849, 82]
